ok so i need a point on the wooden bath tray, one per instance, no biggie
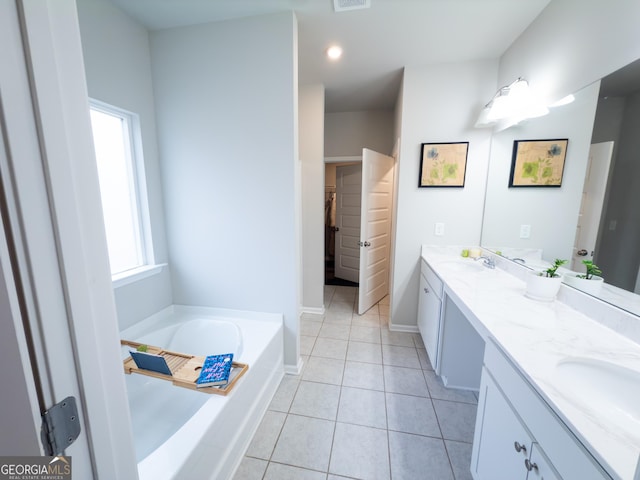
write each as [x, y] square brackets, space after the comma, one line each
[185, 369]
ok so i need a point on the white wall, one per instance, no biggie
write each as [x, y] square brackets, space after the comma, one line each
[439, 104]
[552, 213]
[573, 43]
[311, 143]
[227, 122]
[347, 133]
[118, 70]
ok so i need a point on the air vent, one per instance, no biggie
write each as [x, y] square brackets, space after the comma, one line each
[345, 5]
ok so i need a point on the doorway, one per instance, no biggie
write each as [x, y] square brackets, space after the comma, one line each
[359, 234]
[344, 251]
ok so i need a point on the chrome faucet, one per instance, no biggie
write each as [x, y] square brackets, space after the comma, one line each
[488, 262]
[519, 260]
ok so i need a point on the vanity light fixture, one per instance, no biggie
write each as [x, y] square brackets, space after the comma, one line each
[563, 101]
[512, 103]
[334, 52]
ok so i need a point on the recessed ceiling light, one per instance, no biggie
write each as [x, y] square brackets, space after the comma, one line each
[334, 52]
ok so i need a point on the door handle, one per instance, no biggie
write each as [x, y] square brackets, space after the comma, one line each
[582, 253]
[364, 244]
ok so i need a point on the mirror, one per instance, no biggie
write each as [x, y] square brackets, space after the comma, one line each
[608, 110]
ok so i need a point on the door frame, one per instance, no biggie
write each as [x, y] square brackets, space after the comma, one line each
[395, 154]
[52, 48]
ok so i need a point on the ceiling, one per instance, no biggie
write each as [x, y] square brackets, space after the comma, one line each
[377, 42]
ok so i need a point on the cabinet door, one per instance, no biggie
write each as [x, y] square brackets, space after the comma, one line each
[539, 466]
[429, 308]
[501, 444]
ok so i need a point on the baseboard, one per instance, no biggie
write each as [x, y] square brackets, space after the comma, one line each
[403, 328]
[294, 369]
[313, 310]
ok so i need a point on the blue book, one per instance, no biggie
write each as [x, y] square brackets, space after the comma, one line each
[215, 370]
[151, 361]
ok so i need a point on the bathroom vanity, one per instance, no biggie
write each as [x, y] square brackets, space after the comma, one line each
[558, 391]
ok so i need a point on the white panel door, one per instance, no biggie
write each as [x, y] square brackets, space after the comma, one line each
[595, 184]
[375, 228]
[348, 204]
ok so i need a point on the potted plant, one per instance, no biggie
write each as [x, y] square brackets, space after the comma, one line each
[544, 285]
[590, 282]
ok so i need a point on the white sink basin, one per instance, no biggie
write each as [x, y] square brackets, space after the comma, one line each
[610, 391]
[468, 266]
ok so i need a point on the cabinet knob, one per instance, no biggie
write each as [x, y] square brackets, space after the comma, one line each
[426, 290]
[519, 447]
[530, 466]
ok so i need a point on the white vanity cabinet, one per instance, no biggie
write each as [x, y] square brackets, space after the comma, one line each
[505, 449]
[429, 311]
[517, 436]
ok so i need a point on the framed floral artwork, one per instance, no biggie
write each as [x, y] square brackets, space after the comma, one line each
[443, 164]
[538, 163]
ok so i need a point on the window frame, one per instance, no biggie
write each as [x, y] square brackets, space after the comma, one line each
[138, 185]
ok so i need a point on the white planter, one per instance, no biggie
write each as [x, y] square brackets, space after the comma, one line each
[542, 288]
[591, 286]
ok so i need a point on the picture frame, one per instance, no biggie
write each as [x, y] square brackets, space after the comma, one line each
[443, 164]
[538, 163]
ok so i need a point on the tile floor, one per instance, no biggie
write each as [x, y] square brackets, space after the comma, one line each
[367, 405]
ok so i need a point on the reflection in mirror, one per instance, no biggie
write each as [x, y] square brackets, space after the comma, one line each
[615, 231]
[540, 217]
[618, 121]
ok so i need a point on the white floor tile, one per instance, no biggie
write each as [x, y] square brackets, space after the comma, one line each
[305, 442]
[400, 339]
[310, 327]
[330, 348]
[360, 452]
[364, 352]
[457, 420]
[408, 381]
[362, 407]
[409, 414]
[400, 356]
[283, 397]
[340, 332]
[360, 333]
[460, 456]
[251, 469]
[367, 320]
[318, 400]
[324, 370]
[306, 344]
[338, 318]
[266, 436]
[414, 457]
[363, 375]
[278, 471]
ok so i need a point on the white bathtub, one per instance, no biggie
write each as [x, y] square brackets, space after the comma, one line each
[179, 433]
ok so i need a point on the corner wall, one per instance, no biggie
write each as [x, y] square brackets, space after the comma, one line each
[439, 103]
[118, 71]
[227, 123]
[311, 131]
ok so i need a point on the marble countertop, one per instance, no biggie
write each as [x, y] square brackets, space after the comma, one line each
[539, 335]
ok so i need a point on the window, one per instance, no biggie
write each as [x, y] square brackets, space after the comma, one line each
[116, 137]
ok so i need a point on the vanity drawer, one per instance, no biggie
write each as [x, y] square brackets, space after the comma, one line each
[433, 280]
